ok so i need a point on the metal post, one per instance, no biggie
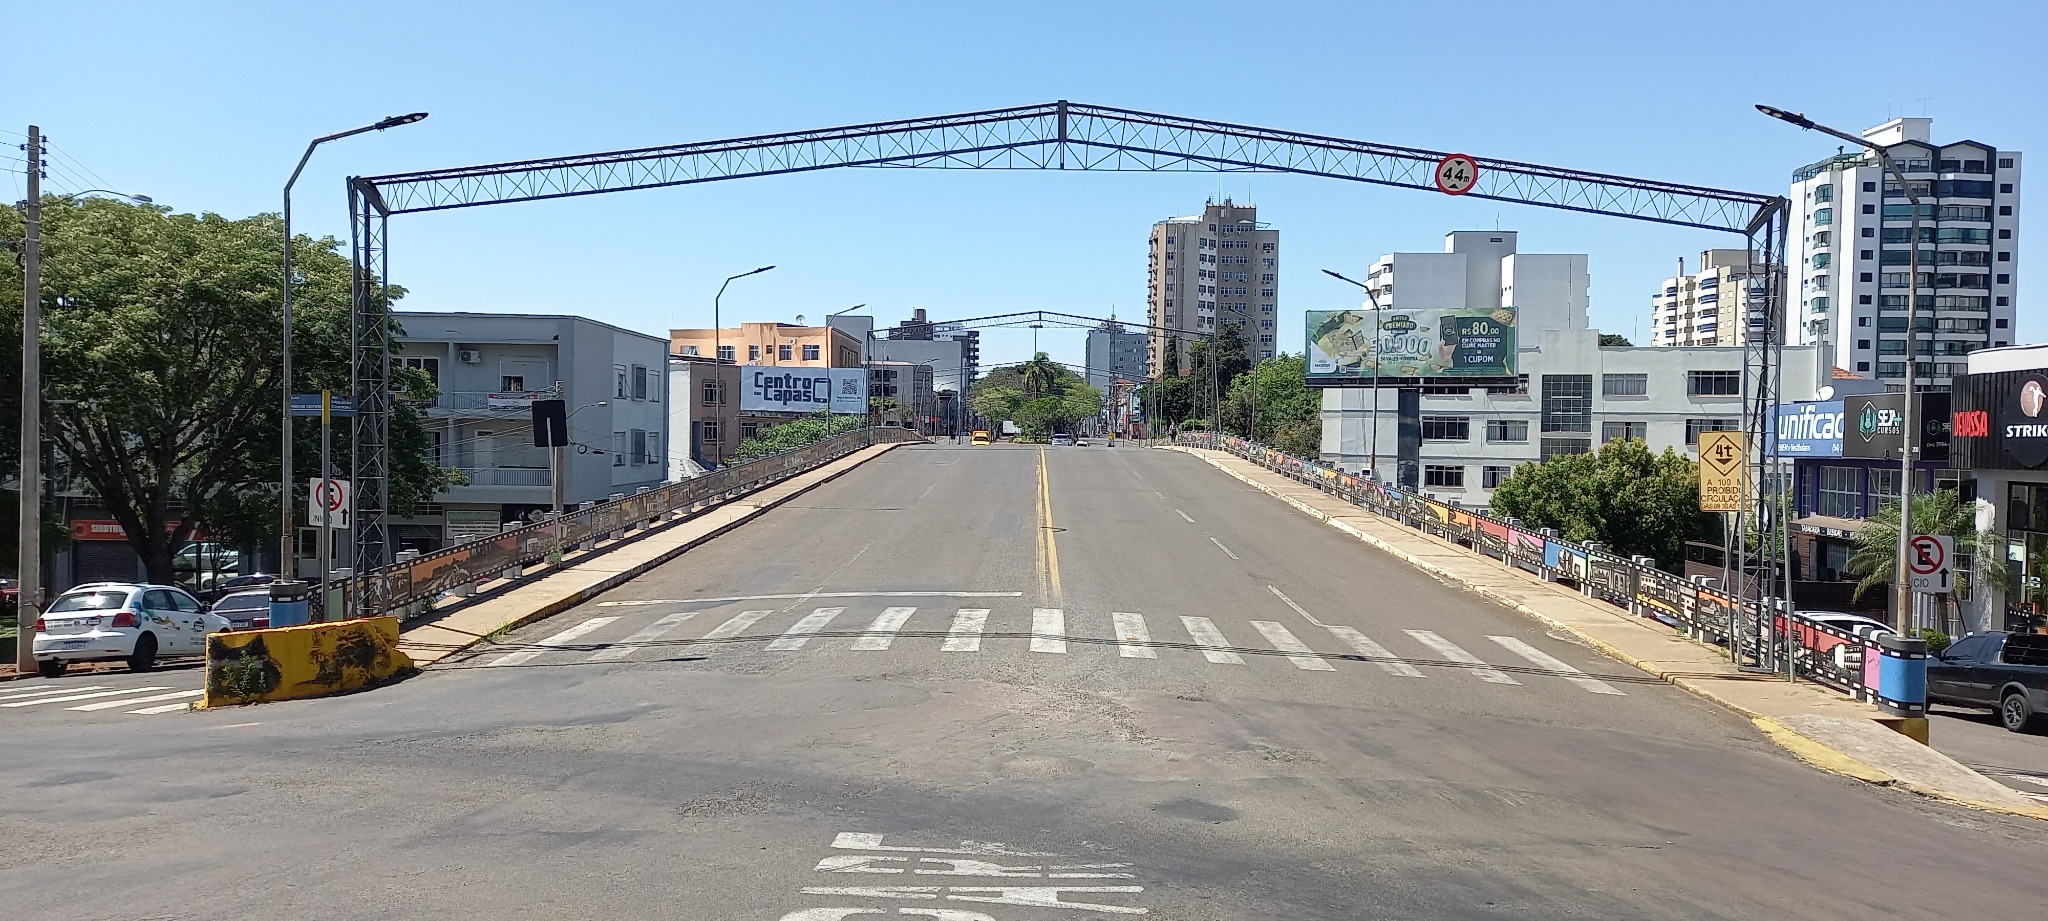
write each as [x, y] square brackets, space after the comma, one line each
[30, 559]
[1903, 589]
[323, 537]
[555, 476]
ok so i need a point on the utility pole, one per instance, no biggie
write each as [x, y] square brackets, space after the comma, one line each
[30, 559]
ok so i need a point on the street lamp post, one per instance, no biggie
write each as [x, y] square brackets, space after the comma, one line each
[1901, 586]
[29, 581]
[1374, 456]
[718, 346]
[287, 557]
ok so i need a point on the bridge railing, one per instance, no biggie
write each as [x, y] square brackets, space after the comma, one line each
[1867, 665]
[406, 586]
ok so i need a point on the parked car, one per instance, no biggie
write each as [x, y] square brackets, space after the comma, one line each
[1847, 623]
[1080, 442]
[112, 621]
[2006, 673]
[237, 584]
[245, 610]
[1062, 439]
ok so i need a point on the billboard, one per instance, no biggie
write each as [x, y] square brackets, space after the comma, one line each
[1874, 426]
[773, 389]
[1810, 429]
[1441, 342]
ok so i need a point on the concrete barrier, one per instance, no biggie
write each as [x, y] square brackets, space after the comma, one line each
[314, 660]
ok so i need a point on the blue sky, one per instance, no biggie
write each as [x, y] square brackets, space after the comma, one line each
[207, 105]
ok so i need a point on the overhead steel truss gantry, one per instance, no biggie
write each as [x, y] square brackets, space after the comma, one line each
[1050, 136]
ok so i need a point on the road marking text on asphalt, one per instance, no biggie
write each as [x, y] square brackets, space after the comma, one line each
[983, 860]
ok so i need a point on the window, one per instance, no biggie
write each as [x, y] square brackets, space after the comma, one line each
[640, 382]
[1713, 384]
[1863, 298]
[749, 429]
[653, 385]
[1553, 447]
[2003, 187]
[1821, 260]
[1869, 232]
[1693, 428]
[1266, 247]
[1824, 216]
[2005, 257]
[714, 393]
[1446, 428]
[1624, 431]
[1863, 343]
[2005, 279]
[1884, 484]
[1870, 187]
[753, 353]
[1568, 403]
[430, 365]
[1840, 493]
[812, 352]
[712, 434]
[2005, 163]
[512, 383]
[691, 350]
[619, 375]
[1824, 193]
[1624, 385]
[618, 449]
[2005, 211]
[1866, 254]
[639, 442]
[1490, 477]
[1869, 209]
[1507, 431]
[1862, 321]
[725, 353]
[1863, 366]
[1442, 475]
[783, 352]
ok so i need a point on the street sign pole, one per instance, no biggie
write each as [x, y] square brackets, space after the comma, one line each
[324, 536]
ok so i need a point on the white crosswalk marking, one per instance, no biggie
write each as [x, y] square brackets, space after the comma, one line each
[1364, 646]
[641, 637]
[965, 636]
[560, 639]
[1048, 630]
[1298, 651]
[162, 708]
[1133, 640]
[153, 698]
[1546, 660]
[1451, 652]
[883, 631]
[1214, 647]
[725, 631]
[61, 698]
[795, 637]
[44, 692]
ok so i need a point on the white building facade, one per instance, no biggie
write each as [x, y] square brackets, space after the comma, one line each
[1113, 354]
[1713, 306]
[1848, 249]
[1209, 270]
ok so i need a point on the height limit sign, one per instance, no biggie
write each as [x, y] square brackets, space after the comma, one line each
[1930, 563]
[1723, 461]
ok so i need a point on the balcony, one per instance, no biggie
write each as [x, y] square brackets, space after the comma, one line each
[507, 476]
[481, 403]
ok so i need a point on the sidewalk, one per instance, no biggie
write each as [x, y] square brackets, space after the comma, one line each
[584, 576]
[1824, 729]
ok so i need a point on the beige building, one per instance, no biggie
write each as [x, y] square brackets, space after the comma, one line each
[1208, 270]
[771, 344]
[1710, 306]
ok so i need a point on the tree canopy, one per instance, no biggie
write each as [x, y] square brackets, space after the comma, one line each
[1289, 416]
[1041, 395]
[1624, 496]
[161, 358]
[1943, 512]
[1614, 340]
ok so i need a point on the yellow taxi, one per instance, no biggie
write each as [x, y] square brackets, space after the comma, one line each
[980, 437]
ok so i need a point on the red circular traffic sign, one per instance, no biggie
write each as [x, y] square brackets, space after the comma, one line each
[331, 497]
[1927, 557]
[1456, 174]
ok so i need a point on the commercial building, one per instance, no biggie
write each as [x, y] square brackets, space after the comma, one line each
[910, 385]
[772, 344]
[1208, 270]
[1848, 249]
[1114, 354]
[703, 414]
[953, 355]
[1715, 305]
[490, 368]
[1999, 432]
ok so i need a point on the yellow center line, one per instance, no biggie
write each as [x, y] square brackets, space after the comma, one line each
[1048, 545]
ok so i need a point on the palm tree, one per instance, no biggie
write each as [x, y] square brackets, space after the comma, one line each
[1941, 512]
[1040, 373]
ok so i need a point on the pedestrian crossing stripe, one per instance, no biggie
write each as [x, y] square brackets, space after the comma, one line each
[966, 631]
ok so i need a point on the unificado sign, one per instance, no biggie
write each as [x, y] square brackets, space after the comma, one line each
[772, 389]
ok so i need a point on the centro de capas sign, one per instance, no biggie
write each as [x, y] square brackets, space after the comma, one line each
[770, 389]
[2025, 429]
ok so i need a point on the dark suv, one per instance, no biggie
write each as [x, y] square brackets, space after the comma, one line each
[2003, 672]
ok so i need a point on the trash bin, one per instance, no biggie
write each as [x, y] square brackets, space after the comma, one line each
[290, 603]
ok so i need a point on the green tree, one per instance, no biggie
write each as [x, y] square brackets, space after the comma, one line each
[995, 403]
[1226, 350]
[1170, 399]
[1626, 497]
[1875, 556]
[1283, 399]
[1614, 340]
[789, 436]
[160, 367]
[1042, 375]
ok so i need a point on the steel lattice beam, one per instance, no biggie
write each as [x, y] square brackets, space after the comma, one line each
[1063, 135]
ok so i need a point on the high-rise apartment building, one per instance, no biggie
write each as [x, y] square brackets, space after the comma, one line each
[1849, 250]
[1713, 306]
[1480, 268]
[1208, 270]
[1114, 353]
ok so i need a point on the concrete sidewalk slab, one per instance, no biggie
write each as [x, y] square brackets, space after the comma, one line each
[1822, 728]
[583, 576]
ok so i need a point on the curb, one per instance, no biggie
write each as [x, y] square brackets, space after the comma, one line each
[1805, 749]
[565, 602]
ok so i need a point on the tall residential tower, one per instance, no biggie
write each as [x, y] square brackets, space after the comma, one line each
[1219, 267]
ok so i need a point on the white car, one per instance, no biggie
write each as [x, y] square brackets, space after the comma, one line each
[132, 621]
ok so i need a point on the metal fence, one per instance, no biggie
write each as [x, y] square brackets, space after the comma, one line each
[1877, 668]
[405, 585]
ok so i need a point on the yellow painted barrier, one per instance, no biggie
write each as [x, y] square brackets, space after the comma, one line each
[314, 660]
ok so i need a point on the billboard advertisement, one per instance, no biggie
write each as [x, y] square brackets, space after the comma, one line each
[1874, 426]
[1443, 342]
[1810, 429]
[773, 389]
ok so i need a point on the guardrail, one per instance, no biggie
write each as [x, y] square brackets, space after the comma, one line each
[401, 587]
[1877, 667]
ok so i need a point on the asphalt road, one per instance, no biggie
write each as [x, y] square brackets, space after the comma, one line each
[991, 684]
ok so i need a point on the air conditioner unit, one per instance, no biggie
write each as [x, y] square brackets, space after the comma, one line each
[470, 356]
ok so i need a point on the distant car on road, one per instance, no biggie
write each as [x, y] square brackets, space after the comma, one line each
[237, 584]
[132, 621]
[1062, 439]
[2006, 673]
[245, 610]
[1080, 442]
[981, 437]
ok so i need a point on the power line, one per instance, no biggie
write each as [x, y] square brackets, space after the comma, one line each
[59, 151]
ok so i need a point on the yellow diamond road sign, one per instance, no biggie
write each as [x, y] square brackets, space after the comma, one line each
[1723, 463]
